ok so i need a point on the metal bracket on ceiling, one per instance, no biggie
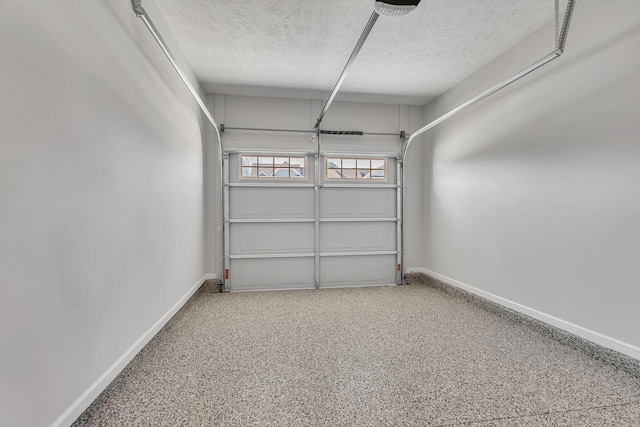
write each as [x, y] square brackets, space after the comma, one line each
[564, 32]
[137, 7]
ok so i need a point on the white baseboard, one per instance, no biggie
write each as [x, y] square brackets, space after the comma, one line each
[210, 276]
[83, 402]
[596, 337]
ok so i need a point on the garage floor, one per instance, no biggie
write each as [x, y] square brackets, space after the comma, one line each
[406, 355]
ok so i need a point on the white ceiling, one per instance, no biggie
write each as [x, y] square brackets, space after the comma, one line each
[289, 46]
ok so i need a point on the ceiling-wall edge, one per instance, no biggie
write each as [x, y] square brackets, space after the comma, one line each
[275, 92]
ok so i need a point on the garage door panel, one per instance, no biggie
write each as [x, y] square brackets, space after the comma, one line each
[336, 271]
[357, 236]
[358, 203]
[273, 273]
[357, 270]
[249, 238]
[295, 272]
[247, 203]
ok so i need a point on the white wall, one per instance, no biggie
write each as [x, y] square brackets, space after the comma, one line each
[533, 196]
[283, 113]
[101, 199]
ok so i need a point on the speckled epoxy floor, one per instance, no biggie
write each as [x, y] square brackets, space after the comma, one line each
[406, 355]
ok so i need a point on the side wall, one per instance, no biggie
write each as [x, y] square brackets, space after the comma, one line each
[281, 113]
[101, 200]
[532, 197]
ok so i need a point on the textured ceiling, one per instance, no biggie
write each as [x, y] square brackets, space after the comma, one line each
[304, 44]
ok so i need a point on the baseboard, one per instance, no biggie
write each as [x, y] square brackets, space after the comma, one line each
[595, 337]
[83, 402]
[210, 276]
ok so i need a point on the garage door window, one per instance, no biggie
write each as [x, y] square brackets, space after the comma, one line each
[273, 167]
[367, 169]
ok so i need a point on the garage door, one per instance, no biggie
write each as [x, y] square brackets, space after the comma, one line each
[300, 221]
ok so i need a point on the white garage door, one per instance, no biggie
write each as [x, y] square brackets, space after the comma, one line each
[300, 223]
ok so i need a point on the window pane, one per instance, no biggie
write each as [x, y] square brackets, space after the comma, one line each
[248, 171]
[334, 174]
[364, 173]
[377, 164]
[334, 163]
[297, 167]
[297, 162]
[364, 163]
[377, 174]
[282, 173]
[265, 172]
[282, 161]
[349, 173]
[267, 161]
[249, 161]
[349, 163]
